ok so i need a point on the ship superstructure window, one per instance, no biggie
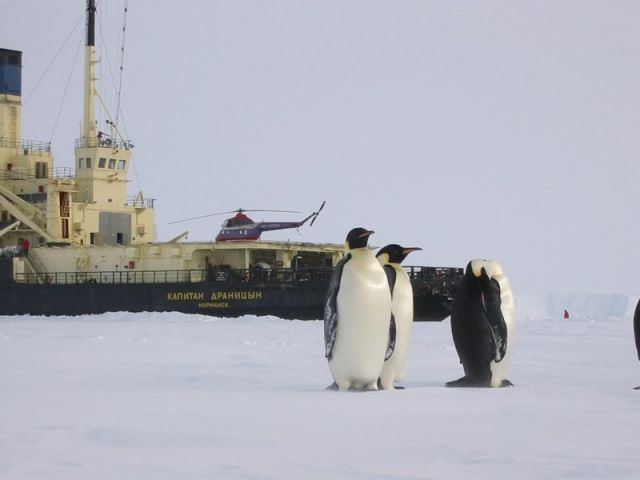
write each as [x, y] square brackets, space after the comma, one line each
[112, 163]
[88, 162]
[41, 169]
[102, 163]
[81, 163]
[121, 164]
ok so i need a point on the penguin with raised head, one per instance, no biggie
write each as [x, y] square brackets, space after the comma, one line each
[356, 317]
[390, 257]
[636, 330]
[482, 324]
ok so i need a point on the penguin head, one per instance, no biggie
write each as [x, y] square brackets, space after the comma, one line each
[358, 238]
[481, 268]
[480, 274]
[394, 253]
[476, 272]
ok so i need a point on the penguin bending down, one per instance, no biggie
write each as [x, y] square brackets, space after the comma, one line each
[390, 257]
[356, 317]
[482, 324]
[636, 330]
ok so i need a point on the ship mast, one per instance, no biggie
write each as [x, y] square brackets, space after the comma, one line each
[89, 132]
[102, 214]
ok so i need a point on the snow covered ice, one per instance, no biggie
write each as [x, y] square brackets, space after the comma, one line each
[173, 396]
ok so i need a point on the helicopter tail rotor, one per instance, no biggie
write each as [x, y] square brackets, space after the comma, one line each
[315, 214]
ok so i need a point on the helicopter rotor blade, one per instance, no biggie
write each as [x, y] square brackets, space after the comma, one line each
[196, 218]
[239, 210]
[276, 211]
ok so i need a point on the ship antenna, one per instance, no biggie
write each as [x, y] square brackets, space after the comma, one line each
[124, 32]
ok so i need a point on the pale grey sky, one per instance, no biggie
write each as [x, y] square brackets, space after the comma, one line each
[496, 129]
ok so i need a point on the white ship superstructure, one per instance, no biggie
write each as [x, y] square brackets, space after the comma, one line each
[48, 205]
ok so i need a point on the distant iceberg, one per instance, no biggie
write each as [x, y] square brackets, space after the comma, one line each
[579, 306]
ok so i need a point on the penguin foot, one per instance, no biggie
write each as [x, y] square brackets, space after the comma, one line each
[353, 388]
[506, 383]
[399, 387]
[384, 386]
[637, 388]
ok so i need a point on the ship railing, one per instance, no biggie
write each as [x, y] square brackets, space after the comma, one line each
[62, 173]
[137, 202]
[21, 173]
[271, 275]
[438, 280]
[424, 273]
[226, 275]
[106, 142]
[27, 146]
[113, 277]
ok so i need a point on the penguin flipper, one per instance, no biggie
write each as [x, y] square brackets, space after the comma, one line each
[392, 338]
[495, 319]
[331, 307]
[391, 276]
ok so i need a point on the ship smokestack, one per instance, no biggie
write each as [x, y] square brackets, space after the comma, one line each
[10, 96]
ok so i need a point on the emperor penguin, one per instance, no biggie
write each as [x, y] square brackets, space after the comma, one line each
[636, 330]
[390, 257]
[356, 317]
[482, 324]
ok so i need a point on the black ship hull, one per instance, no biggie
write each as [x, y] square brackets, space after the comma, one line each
[297, 295]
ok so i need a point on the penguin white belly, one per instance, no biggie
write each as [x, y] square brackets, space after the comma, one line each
[500, 370]
[394, 368]
[364, 312]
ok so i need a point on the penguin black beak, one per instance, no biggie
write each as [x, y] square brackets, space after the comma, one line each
[408, 250]
[366, 234]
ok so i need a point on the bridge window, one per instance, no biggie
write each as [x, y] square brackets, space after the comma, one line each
[81, 163]
[102, 163]
[88, 163]
[112, 163]
[121, 164]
